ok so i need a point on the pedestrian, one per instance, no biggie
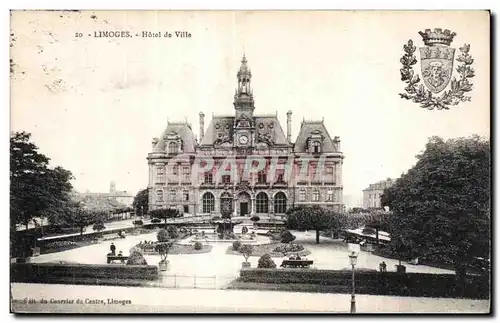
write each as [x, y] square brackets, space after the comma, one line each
[112, 248]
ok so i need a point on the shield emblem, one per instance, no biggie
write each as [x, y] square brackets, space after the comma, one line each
[437, 66]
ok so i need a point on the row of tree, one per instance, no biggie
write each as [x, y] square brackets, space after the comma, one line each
[320, 219]
[38, 191]
[440, 209]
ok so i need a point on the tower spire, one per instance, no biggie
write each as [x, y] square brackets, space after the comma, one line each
[243, 98]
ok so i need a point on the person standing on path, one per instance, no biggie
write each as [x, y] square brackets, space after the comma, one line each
[112, 248]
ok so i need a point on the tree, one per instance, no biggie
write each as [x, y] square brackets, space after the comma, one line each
[98, 226]
[377, 222]
[442, 205]
[165, 214]
[246, 250]
[163, 248]
[310, 218]
[140, 203]
[35, 189]
[80, 218]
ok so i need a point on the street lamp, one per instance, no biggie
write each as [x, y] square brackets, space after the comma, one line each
[353, 256]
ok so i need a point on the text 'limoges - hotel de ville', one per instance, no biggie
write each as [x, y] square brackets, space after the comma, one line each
[246, 161]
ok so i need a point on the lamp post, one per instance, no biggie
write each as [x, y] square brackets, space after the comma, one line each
[353, 256]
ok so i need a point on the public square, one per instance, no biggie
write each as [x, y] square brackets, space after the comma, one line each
[328, 254]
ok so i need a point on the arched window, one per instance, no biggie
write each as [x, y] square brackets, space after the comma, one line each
[280, 202]
[208, 202]
[173, 148]
[262, 203]
[316, 147]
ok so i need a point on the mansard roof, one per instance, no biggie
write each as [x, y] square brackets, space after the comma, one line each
[223, 123]
[271, 124]
[309, 128]
[185, 133]
[263, 124]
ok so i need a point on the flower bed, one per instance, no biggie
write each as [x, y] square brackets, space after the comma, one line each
[177, 249]
[63, 245]
[270, 248]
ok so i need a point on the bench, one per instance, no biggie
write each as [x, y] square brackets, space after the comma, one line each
[112, 258]
[296, 263]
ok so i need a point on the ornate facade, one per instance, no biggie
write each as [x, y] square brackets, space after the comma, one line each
[246, 161]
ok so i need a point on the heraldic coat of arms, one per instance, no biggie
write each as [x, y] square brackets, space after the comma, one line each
[436, 65]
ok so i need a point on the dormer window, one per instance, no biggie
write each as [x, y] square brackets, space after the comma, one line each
[316, 147]
[315, 142]
[173, 148]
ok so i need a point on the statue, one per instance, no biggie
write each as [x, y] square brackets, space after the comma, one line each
[265, 138]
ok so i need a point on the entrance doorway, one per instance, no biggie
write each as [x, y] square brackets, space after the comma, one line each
[243, 208]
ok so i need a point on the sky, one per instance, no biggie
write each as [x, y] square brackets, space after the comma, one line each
[93, 104]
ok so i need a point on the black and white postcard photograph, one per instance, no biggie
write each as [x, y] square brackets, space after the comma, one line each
[250, 161]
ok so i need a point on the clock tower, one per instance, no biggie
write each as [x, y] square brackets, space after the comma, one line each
[244, 107]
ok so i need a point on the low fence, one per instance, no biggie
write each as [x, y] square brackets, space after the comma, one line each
[194, 281]
[113, 275]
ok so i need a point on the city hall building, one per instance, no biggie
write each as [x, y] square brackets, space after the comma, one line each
[246, 161]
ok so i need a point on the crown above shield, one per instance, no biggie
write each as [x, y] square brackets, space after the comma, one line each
[437, 37]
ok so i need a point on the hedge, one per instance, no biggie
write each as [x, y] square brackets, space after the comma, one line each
[373, 282]
[37, 273]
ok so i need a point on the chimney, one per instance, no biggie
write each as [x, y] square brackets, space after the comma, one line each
[202, 126]
[289, 126]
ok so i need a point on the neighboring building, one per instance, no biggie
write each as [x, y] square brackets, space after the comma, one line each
[245, 160]
[105, 201]
[372, 194]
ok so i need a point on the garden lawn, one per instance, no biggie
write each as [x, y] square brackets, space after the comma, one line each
[184, 249]
[260, 250]
[63, 246]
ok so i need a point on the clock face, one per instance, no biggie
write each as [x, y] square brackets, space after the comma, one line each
[243, 140]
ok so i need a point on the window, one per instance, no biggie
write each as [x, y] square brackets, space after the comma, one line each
[315, 195]
[186, 208]
[208, 202]
[302, 195]
[316, 147]
[160, 175]
[329, 170]
[280, 176]
[208, 178]
[159, 195]
[173, 148]
[185, 173]
[262, 177]
[226, 179]
[262, 203]
[185, 195]
[329, 196]
[172, 195]
[280, 202]
[175, 169]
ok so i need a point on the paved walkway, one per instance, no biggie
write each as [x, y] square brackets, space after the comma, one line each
[329, 254]
[159, 300]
